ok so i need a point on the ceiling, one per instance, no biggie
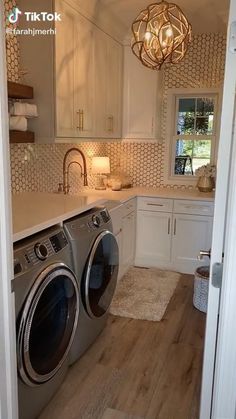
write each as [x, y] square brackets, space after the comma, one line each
[204, 15]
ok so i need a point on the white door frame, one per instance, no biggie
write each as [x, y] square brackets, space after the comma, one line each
[8, 376]
[222, 195]
[224, 391]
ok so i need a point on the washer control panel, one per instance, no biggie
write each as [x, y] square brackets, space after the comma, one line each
[41, 251]
[38, 251]
[58, 242]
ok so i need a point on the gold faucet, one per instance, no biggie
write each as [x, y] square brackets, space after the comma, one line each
[66, 186]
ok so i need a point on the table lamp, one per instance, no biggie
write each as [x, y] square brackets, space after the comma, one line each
[100, 166]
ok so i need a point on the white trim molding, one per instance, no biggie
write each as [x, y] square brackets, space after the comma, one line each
[8, 376]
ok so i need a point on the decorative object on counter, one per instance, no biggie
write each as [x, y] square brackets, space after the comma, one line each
[201, 287]
[206, 181]
[66, 185]
[161, 34]
[119, 176]
[144, 293]
[100, 167]
[116, 185]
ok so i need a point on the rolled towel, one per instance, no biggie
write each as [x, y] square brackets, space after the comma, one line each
[29, 110]
[18, 123]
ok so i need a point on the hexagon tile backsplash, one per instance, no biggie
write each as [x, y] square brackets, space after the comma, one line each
[38, 167]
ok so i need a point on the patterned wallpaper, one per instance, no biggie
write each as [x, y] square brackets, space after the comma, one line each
[12, 46]
[38, 167]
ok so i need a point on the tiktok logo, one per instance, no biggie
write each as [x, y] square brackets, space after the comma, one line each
[14, 16]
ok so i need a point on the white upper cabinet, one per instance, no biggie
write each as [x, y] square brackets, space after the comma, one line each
[88, 78]
[108, 85]
[114, 89]
[65, 87]
[84, 77]
[142, 99]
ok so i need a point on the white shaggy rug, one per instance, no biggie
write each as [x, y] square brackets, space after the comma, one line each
[144, 293]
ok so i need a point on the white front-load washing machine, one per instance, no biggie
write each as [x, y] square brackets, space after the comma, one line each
[96, 261]
[47, 307]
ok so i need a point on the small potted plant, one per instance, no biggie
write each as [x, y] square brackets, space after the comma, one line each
[206, 175]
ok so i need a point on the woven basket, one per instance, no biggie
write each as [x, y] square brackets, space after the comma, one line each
[201, 287]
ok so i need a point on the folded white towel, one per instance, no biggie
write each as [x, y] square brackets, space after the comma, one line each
[18, 123]
[28, 110]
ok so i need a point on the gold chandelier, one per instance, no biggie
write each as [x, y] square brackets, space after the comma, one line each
[161, 34]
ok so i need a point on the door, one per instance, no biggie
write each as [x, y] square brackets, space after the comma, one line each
[84, 76]
[47, 324]
[140, 87]
[100, 276]
[216, 403]
[119, 243]
[153, 241]
[66, 117]
[191, 233]
[114, 88]
[8, 376]
[128, 241]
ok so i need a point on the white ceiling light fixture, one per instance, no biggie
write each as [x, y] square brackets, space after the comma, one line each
[161, 34]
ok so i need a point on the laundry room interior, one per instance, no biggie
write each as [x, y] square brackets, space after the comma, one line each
[114, 111]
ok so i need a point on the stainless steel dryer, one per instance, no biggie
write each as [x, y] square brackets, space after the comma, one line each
[96, 261]
[47, 307]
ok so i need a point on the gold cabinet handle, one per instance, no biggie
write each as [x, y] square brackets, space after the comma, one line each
[169, 226]
[80, 113]
[110, 123]
[82, 120]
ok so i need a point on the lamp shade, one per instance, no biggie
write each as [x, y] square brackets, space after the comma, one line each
[100, 165]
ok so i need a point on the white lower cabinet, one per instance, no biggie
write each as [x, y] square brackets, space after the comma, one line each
[172, 240]
[153, 238]
[191, 233]
[128, 242]
[123, 219]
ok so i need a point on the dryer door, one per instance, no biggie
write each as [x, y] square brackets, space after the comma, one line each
[47, 324]
[100, 276]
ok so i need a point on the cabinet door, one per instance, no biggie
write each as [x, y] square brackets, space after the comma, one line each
[140, 99]
[84, 77]
[114, 88]
[65, 46]
[153, 239]
[128, 242]
[191, 233]
[108, 86]
[119, 242]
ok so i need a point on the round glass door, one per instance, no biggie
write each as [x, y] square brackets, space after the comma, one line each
[48, 324]
[101, 275]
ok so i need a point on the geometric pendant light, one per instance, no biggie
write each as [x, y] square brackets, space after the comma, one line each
[161, 34]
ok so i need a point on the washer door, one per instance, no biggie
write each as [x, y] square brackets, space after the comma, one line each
[101, 275]
[47, 324]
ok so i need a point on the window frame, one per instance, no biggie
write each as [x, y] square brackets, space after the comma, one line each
[173, 97]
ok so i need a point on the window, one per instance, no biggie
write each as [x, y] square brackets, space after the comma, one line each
[193, 132]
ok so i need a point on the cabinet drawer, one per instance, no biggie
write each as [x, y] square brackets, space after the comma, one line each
[155, 204]
[129, 207]
[194, 207]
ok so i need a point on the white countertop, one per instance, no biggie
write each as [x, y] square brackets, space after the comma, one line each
[126, 194]
[34, 211]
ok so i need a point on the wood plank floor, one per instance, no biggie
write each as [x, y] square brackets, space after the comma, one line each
[139, 369]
